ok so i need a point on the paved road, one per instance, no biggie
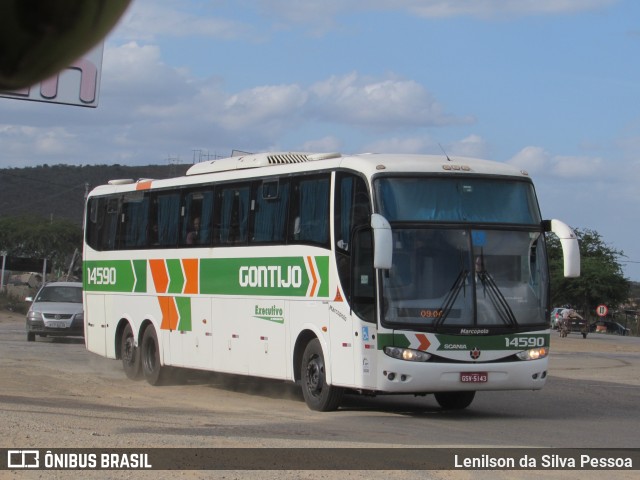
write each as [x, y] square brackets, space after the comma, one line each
[55, 394]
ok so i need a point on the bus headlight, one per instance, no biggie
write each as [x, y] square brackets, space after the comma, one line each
[533, 354]
[407, 354]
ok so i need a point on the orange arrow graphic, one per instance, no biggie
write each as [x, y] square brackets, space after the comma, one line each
[424, 342]
[313, 275]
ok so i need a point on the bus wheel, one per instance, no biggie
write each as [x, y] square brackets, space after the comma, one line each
[153, 371]
[130, 354]
[317, 393]
[454, 400]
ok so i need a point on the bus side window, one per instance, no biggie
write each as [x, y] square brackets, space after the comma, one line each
[134, 220]
[352, 208]
[197, 222]
[95, 216]
[270, 215]
[102, 223]
[165, 220]
[233, 215]
[109, 230]
[309, 210]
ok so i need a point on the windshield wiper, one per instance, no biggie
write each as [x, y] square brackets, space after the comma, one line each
[497, 298]
[451, 297]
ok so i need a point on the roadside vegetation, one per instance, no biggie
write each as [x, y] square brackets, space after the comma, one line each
[59, 241]
[32, 237]
[601, 280]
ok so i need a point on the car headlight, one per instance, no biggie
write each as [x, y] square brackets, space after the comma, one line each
[533, 354]
[34, 316]
[79, 316]
[407, 354]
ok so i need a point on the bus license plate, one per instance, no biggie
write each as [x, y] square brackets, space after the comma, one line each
[475, 377]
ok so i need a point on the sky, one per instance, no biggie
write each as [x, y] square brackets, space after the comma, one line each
[551, 86]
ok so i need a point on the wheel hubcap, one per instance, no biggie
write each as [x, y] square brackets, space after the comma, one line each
[149, 356]
[314, 376]
[129, 350]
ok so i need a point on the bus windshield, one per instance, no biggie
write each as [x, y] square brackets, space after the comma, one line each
[447, 199]
[463, 255]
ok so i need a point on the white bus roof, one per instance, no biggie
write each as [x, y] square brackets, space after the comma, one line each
[281, 163]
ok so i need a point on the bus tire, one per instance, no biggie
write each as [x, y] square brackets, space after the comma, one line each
[318, 394]
[154, 372]
[454, 400]
[130, 354]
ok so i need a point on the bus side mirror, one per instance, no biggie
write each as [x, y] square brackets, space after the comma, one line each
[382, 242]
[570, 247]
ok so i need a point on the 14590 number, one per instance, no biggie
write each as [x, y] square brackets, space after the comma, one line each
[101, 275]
[524, 342]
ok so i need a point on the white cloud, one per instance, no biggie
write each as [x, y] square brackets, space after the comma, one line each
[324, 144]
[29, 145]
[400, 145]
[537, 160]
[321, 12]
[131, 72]
[496, 8]
[188, 109]
[150, 110]
[262, 106]
[53, 142]
[388, 103]
[147, 20]
[471, 146]
[532, 159]
[579, 166]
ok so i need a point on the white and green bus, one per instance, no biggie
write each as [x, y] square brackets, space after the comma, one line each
[371, 274]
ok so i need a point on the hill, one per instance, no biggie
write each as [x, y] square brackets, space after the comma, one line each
[58, 191]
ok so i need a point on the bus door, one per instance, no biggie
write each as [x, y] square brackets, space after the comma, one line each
[363, 307]
[353, 308]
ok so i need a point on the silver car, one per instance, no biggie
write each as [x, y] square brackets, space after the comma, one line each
[56, 311]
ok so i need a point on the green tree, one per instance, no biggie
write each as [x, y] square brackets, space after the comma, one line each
[601, 278]
[55, 240]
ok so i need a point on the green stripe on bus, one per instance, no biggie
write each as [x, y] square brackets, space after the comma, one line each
[323, 270]
[516, 342]
[113, 276]
[176, 277]
[140, 270]
[267, 276]
[183, 305]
